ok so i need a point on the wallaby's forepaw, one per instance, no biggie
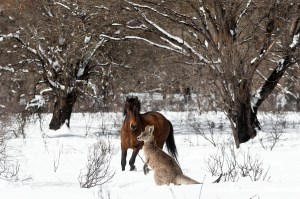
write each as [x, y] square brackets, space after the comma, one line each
[146, 169]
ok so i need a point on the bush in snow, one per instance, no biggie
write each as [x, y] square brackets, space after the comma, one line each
[9, 169]
[98, 170]
[274, 134]
[233, 164]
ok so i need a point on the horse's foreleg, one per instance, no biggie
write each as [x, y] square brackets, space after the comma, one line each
[123, 158]
[132, 159]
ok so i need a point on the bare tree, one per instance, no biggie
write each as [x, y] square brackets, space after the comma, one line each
[234, 42]
[60, 44]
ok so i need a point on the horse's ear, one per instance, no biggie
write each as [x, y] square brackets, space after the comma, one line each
[151, 129]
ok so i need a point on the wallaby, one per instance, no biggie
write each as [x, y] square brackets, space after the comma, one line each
[165, 168]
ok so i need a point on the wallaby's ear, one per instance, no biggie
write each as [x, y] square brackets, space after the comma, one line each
[151, 129]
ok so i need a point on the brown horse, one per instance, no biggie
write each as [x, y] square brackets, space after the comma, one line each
[134, 123]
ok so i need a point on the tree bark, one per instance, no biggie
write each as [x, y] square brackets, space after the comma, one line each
[272, 81]
[242, 117]
[62, 110]
[245, 124]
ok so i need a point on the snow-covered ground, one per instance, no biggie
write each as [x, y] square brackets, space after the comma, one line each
[53, 160]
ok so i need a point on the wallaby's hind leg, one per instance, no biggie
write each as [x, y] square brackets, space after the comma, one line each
[158, 180]
[161, 177]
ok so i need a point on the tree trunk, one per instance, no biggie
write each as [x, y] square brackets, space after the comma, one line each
[242, 117]
[298, 104]
[62, 110]
[244, 124]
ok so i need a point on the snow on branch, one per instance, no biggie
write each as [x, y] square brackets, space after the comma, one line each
[279, 86]
[75, 11]
[37, 102]
[57, 85]
[64, 6]
[10, 35]
[244, 11]
[7, 68]
[262, 54]
[171, 37]
[296, 40]
[180, 50]
[16, 36]
[147, 7]
[86, 60]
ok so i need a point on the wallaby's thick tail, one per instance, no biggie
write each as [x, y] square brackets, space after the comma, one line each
[170, 142]
[182, 179]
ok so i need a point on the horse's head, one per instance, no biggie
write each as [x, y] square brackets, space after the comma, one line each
[131, 112]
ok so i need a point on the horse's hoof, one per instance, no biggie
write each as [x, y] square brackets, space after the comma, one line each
[132, 168]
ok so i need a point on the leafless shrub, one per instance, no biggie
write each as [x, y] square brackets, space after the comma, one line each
[88, 122]
[274, 135]
[189, 140]
[211, 136]
[9, 168]
[103, 193]
[56, 159]
[103, 124]
[232, 164]
[98, 170]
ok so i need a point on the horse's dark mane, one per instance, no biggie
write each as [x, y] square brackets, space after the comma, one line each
[130, 103]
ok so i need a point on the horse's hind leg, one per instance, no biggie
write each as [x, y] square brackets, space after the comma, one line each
[123, 158]
[132, 159]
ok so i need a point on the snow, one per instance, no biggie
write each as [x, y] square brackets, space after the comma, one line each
[7, 68]
[87, 39]
[80, 72]
[232, 32]
[10, 35]
[57, 85]
[206, 43]
[244, 11]
[68, 148]
[38, 102]
[255, 98]
[253, 60]
[295, 40]
[280, 65]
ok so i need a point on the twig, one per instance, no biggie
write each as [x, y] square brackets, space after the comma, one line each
[201, 187]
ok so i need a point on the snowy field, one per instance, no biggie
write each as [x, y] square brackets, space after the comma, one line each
[51, 161]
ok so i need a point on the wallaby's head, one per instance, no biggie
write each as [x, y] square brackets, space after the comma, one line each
[147, 135]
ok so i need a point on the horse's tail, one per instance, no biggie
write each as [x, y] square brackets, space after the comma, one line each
[170, 142]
